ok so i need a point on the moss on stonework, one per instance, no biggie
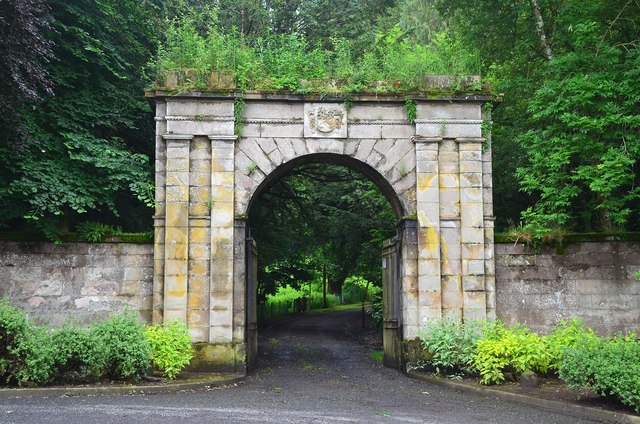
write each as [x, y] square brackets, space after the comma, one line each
[141, 238]
[569, 238]
[228, 357]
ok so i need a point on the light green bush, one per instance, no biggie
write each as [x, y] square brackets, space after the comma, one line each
[171, 348]
[127, 350]
[566, 334]
[515, 349]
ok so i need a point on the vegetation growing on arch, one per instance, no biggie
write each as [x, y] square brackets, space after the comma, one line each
[289, 62]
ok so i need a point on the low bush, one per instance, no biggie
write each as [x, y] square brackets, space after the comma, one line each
[610, 367]
[451, 345]
[171, 348]
[77, 354]
[566, 334]
[25, 349]
[126, 347]
[515, 349]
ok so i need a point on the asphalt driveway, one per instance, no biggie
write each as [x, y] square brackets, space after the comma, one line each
[312, 369]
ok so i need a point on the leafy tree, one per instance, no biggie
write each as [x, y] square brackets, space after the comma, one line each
[317, 216]
[568, 122]
[87, 145]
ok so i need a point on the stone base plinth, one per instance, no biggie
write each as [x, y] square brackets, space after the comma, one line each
[218, 357]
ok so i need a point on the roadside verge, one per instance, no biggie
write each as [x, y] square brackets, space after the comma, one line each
[551, 405]
[195, 382]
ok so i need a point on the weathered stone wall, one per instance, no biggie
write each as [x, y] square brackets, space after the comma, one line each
[593, 281]
[77, 281]
[83, 281]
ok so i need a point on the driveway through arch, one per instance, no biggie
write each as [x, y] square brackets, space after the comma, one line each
[435, 171]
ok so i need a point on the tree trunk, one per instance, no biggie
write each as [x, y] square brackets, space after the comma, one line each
[537, 15]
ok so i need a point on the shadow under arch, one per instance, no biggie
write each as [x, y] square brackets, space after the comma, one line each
[332, 159]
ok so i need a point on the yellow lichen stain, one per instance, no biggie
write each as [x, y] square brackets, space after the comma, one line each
[443, 248]
[431, 243]
[424, 181]
[432, 240]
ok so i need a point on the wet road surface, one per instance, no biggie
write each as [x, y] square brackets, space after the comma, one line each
[311, 369]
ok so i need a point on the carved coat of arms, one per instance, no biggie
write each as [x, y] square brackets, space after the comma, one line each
[325, 120]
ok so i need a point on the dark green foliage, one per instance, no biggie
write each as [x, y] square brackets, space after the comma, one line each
[451, 345]
[569, 125]
[610, 367]
[127, 349]
[77, 354]
[96, 231]
[85, 146]
[585, 142]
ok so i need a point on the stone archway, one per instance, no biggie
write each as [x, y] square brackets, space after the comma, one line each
[438, 169]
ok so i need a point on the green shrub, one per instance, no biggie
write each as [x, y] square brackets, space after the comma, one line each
[95, 231]
[610, 367]
[515, 349]
[171, 348]
[25, 350]
[566, 334]
[451, 344]
[13, 328]
[127, 350]
[376, 312]
[77, 353]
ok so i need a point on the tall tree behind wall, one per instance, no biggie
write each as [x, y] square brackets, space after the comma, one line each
[89, 143]
[569, 120]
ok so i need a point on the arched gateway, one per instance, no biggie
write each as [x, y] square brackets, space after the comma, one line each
[436, 173]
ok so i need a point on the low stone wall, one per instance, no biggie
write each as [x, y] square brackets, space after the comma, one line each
[83, 282]
[80, 282]
[591, 280]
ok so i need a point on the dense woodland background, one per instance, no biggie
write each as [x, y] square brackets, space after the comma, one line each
[76, 133]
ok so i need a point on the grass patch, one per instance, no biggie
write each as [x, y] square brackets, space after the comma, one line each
[377, 355]
[338, 308]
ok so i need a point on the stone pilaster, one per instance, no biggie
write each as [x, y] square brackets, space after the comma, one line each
[472, 228]
[176, 244]
[428, 212]
[449, 167]
[489, 223]
[239, 280]
[222, 237]
[199, 239]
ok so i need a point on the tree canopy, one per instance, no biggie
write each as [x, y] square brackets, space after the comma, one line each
[76, 134]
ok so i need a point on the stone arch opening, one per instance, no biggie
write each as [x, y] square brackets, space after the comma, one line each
[333, 159]
[388, 268]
